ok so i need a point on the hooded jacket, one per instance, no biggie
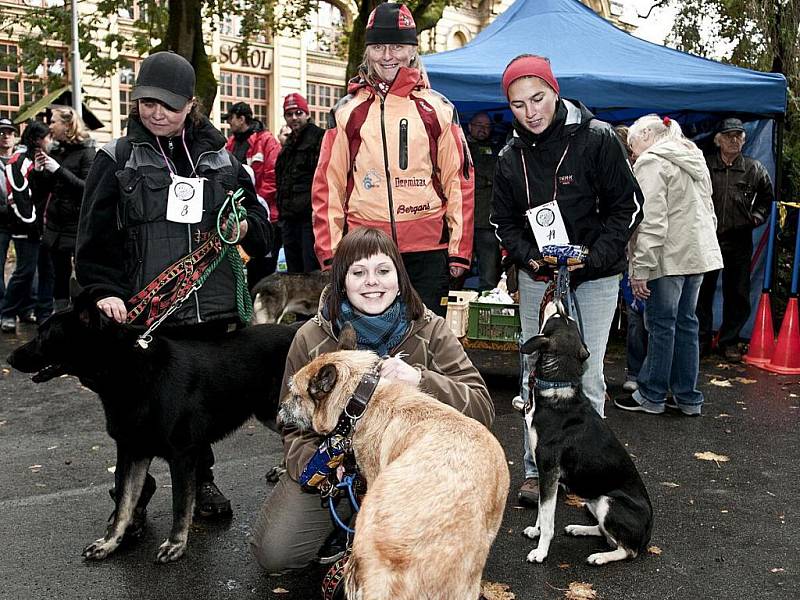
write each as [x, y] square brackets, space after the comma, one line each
[675, 236]
[257, 148]
[429, 345]
[398, 163]
[125, 240]
[579, 161]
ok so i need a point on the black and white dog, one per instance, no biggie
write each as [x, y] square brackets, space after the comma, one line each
[573, 445]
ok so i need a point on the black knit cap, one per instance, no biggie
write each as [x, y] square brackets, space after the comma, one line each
[166, 77]
[391, 23]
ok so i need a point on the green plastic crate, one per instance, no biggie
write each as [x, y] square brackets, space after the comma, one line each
[493, 322]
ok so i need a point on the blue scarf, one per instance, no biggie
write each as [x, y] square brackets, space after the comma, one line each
[379, 333]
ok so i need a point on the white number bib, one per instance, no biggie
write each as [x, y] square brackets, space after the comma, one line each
[185, 200]
[547, 224]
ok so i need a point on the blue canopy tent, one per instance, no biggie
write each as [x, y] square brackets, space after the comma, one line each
[618, 76]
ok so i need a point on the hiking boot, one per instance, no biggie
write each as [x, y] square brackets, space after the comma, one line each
[210, 502]
[8, 325]
[732, 354]
[529, 491]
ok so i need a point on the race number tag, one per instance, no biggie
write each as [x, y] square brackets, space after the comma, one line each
[547, 225]
[185, 200]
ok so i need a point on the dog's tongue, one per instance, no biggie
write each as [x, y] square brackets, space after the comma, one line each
[48, 373]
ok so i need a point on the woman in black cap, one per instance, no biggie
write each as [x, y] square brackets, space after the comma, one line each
[396, 159]
[152, 197]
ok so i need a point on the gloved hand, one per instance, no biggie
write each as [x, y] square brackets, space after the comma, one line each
[50, 164]
[569, 255]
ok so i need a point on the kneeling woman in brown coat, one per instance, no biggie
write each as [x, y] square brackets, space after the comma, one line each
[369, 289]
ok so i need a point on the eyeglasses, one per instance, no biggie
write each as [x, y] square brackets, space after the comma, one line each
[294, 113]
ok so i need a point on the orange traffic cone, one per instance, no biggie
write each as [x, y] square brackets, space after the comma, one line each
[762, 340]
[786, 358]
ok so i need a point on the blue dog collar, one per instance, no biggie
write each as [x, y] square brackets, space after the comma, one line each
[552, 385]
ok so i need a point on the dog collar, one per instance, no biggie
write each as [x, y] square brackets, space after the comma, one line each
[358, 401]
[552, 385]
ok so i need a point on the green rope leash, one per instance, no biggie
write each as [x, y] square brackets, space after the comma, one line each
[237, 214]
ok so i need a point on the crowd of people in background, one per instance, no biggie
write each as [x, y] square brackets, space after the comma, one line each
[432, 202]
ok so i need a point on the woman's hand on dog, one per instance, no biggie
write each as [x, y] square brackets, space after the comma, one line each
[395, 369]
[114, 308]
[640, 289]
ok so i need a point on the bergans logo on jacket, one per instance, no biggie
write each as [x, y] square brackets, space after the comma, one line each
[398, 162]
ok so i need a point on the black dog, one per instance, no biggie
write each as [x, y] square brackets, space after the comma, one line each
[574, 445]
[168, 400]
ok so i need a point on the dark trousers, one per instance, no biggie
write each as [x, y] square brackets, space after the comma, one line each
[737, 250]
[298, 246]
[430, 276]
[62, 271]
[259, 267]
[486, 250]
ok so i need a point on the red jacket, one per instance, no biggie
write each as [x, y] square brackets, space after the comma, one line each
[261, 155]
[400, 164]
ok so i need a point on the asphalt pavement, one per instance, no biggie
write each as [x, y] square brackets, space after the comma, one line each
[724, 528]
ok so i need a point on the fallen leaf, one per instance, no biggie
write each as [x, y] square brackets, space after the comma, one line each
[580, 591]
[725, 366]
[654, 550]
[35, 467]
[95, 447]
[777, 570]
[111, 469]
[721, 382]
[52, 447]
[717, 458]
[3, 423]
[792, 395]
[745, 380]
[670, 484]
[496, 591]
[724, 511]
[280, 590]
[573, 500]
[722, 416]
[6, 371]
[564, 566]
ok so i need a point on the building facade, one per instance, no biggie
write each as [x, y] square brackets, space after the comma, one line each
[274, 66]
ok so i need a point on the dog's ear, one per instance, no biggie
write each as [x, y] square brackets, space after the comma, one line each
[537, 343]
[322, 383]
[348, 340]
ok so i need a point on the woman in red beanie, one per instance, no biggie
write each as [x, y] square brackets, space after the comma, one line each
[560, 153]
[396, 159]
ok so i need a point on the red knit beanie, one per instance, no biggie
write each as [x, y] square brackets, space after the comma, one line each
[295, 101]
[529, 66]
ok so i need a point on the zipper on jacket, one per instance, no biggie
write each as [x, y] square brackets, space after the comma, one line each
[403, 144]
[388, 175]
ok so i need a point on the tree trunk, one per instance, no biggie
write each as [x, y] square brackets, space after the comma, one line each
[185, 37]
[355, 49]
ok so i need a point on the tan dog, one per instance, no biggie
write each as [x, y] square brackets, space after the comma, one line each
[437, 482]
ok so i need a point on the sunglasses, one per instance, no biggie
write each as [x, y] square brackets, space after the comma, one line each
[294, 113]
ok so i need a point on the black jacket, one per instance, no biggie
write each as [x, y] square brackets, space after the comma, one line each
[742, 193]
[22, 212]
[66, 187]
[598, 196]
[125, 240]
[294, 172]
[241, 140]
[484, 157]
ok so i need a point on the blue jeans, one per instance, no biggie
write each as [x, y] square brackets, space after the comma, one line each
[635, 343]
[673, 354]
[592, 304]
[17, 300]
[5, 241]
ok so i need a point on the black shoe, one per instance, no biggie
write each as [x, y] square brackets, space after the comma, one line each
[732, 354]
[28, 317]
[626, 402]
[210, 502]
[8, 325]
[529, 492]
[334, 547]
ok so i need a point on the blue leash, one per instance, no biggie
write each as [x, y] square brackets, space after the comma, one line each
[346, 483]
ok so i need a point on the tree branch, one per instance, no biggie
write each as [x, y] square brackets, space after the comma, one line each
[658, 4]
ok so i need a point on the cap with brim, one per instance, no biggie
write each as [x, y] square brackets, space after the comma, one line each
[730, 125]
[7, 124]
[171, 100]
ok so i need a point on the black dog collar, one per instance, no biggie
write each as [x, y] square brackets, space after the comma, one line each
[357, 403]
[552, 385]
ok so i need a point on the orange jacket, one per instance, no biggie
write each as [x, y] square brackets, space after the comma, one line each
[376, 169]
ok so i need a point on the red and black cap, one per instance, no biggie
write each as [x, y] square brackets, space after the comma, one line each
[391, 23]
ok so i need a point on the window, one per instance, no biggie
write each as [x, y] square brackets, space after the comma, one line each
[321, 98]
[14, 92]
[127, 76]
[326, 29]
[242, 87]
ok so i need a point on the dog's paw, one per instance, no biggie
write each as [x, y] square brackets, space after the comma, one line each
[537, 555]
[581, 530]
[101, 548]
[170, 551]
[531, 532]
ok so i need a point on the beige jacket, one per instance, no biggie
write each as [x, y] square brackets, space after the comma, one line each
[447, 374]
[678, 233]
